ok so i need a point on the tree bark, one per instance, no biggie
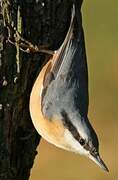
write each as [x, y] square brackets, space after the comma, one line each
[42, 22]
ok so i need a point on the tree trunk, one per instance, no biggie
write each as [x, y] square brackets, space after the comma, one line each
[42, 22]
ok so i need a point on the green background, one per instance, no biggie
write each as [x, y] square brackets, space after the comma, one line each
[100, 21]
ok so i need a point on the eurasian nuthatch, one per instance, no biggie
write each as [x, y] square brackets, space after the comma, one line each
[59, 98]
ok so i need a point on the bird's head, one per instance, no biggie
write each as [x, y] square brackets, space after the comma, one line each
[85, 139]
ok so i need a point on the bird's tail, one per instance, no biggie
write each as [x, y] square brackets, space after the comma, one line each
[62, 50]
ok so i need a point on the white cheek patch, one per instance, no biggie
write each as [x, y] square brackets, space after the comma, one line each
[79, 126]
[74, 144]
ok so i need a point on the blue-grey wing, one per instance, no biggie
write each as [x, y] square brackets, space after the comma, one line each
[67, 79]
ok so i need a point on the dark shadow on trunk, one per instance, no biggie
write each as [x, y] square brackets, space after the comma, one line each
[42, 23]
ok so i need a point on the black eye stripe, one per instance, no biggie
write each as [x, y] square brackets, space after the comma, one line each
[67, 123]
[72, 128]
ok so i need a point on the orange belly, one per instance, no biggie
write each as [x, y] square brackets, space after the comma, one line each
[50, 129]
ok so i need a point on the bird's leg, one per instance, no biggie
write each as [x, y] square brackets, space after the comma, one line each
[25, 45]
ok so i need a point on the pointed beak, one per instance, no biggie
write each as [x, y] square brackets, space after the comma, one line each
[99, 162]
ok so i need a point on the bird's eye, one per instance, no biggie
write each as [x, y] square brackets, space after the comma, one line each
[82, 141]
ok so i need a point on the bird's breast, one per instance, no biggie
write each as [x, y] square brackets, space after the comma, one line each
[50, 129]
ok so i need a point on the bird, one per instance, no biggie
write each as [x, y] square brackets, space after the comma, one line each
[59, 97]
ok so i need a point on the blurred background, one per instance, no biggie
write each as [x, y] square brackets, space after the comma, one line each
[101, 35]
